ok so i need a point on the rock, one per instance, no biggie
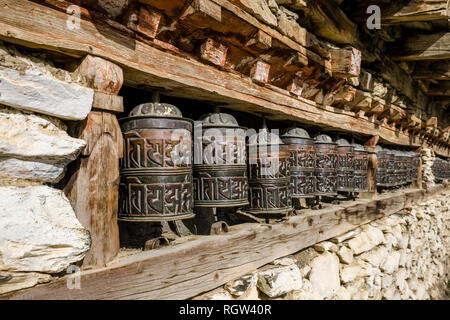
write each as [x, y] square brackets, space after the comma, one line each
[345, 255]
[346, 236]
[305, 270]
[367, 270]
[26, 136]
[217, 294]
[376, 256]
[305, 293]
[349, 273]
[23, 280]
[386, 281]
[286, 261]
[40, 232]
[325, 246]
[400, 279]
[342, 294]
[14, 170]
[242, 286]
[391, 263]
[33, 90]
[258, 9]
[366, 240]
[391, 294]
[275, 282]
[324, 276]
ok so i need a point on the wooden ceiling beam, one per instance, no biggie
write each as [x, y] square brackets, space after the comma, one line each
[435, 70]
[416, 47]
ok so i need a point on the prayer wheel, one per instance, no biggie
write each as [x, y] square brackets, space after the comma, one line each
[220, 162]
[361, 169]
[303, 160]
[345, 166]
[391, 176]
[326, 166]
[269, 179]
[381, 174]
[156, 171]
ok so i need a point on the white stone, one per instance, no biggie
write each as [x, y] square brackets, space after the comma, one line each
[345, 255]
[376, 256]
[346, 236]
[391, 263]
[305, 293]
[325, 246]
[32, 137]
[342, 294]
[243, 285]
[286, 261]
[33, 90]
[349, 273]
[324, 275]
[12, 170]
[386, 281]
[40, 232]
[366, 240]
[275, 282]
[23, 280]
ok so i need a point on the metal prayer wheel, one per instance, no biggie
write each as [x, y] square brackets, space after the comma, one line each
[415, 167]
[410, 168]
[391, 176]
[345, 163]
[303, 161]
[361, 167]
[220, 163]
[269, 179]
[381, 174]
[156, 171]
[326, 166]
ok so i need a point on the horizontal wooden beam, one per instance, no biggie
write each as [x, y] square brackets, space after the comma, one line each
[402, 11]
[435, 70]
[415, 47]
[153, 64]
[205, 263]
[442, 88]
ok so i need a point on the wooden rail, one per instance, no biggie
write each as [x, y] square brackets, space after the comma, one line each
[154, 64]
[205, 263]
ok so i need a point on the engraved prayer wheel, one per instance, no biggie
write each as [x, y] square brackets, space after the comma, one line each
[391, 176]
[269, 179]
[345, 166]
[381, 174]
[361, 169]
[220, 162]
[326, 166]
[156, 171]
[303, 160]
[410, 166]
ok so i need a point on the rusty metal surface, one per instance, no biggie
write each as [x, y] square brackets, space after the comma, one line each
[156, 171]
[326, 166]
[220, 176]
[303, 160]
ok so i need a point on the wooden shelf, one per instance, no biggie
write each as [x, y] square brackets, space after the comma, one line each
[204, 263]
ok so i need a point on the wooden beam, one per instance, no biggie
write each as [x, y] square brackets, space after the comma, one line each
[436, 70]
[402, 11]
[415, 47]
[440, 89]
[185, 270]
[152, 63]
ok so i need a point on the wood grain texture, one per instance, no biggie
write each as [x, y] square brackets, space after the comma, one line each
[204, 263]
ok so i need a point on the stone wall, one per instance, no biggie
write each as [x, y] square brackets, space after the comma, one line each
[403, 256]
[40, 235]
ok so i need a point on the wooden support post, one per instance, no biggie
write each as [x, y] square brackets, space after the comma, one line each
[93, 180]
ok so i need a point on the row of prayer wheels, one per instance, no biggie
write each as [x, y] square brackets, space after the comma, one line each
[441, 169]
[172, 165]
[396, 168]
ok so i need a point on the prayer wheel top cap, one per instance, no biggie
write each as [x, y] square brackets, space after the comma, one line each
[157, 110]
[343, 143]
[323, 138]
[264, 137]
[218, 119]
[358, 147]
[296, 132]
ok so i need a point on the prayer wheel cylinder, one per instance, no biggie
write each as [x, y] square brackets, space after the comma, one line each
[220, 163]
[269, 178]
[361, 169]
[303, 159]
[345, 164]
[326, 166]
[156, 171]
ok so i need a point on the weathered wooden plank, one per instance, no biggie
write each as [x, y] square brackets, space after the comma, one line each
[434, 46]
[26, 23]
[442, 88]
[437, 70]
[403, 11]
[188, 269]
[107, 102]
